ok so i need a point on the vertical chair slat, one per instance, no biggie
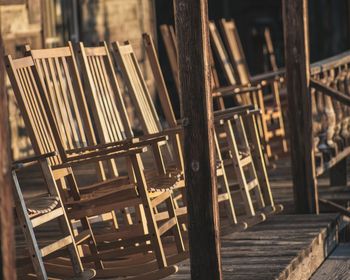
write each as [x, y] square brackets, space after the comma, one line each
[57, 101]
[113, 111]
[36, 111]
[70, 123]
[32, 106]
[73, 99]
[104, 96]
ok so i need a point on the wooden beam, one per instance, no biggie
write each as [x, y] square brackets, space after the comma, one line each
[335, 207]
[295, 24]
[6, 202]
[191, 19]
[331, 92]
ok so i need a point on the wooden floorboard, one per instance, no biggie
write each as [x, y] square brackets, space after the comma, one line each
[337, 265]
[284, 247]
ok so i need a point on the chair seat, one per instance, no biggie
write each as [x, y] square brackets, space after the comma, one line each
[85, 275]
[171, 171]
[42, 205]
[162, 183]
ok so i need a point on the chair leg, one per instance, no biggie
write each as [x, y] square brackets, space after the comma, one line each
[229, 207]
[248, 204]
[151, 222]
[276, 93]
[85, 224]
[258, 158]
[28, 231]
[176, 229]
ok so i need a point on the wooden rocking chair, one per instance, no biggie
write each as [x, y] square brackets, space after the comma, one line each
[109, 113]
[241, 93]
[36, 212]
[90, 57]
[132, 249]
[156, 183]
[142, 100]
[158, 180]
[270, 104]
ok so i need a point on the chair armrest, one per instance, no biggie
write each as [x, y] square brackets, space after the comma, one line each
[234, 113]
[102, 146]
[20, 163]
[234, 110]
[165, 133]
[99, 156]
[268, 77]
[146, 140]
[234, 90]
[99, 197]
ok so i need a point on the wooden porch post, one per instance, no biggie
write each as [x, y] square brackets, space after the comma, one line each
[191, 20]
[6, 209]
[296, 37]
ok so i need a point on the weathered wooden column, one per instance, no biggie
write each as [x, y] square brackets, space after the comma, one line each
[338, 174]
[6, 205]
[296, 37]
[191, 19]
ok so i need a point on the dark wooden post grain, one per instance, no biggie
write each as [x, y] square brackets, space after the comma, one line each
[295, 21]
[6, 205]
[338, 174]
[191, 19]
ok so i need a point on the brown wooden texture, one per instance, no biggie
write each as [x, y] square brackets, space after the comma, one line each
[7, 221]
[286, 247]
[299, 104]
[338, 175]
[11, 2]
[85, 200]
[191, 18]
[336, 266]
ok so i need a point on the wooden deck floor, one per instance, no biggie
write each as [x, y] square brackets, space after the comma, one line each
[283, 247]
[337, 265]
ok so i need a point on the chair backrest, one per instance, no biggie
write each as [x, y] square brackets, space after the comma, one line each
[28, 90]
[226, 64]
[235, 49]
[270, 51]
[219, 49]
[58, 72]
[103, 94]
[169, 39]
[137, 87]
[159, 79]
